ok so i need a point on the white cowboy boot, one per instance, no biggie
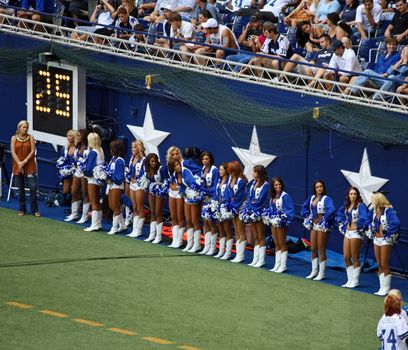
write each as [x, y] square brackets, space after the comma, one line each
[221, 250]
[196, 246]
[355, 281]
[315, 271]
[278, 256]
[349, 271]
[94, 222]
[283, 263]
[158, 238]
[322, 271]
[256, 256]
[261, 257]
[84, 217]
[134, 231]
[228, 250]
[190, 240]
[74, 212]
[115, 225]
[213, 245]
[207, 243]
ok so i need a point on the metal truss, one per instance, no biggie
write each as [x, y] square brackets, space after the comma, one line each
[292, 82]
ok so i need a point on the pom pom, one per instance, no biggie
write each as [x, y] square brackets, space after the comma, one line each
[210, 211]
[66, 168]
[227, 212]
[308, 222]
[248, 216]
[143, 182]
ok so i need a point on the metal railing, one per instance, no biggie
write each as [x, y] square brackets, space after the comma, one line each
[216, 67]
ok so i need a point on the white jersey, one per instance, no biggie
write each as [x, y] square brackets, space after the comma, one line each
[275, 6]
[238, 4]
[393, 332]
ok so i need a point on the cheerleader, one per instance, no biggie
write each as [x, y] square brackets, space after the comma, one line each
[66, 163]
[209, 212]
[384, 228]
[93, 172]
[251, 213]
[318, 212]
[392, 328]
[352, 219]
[192, 190]
[281, 215]
[158, 188]
[138, 187]
[116, 185]
[176, 203]
[79, 183]
[231, 204]
[220, 198]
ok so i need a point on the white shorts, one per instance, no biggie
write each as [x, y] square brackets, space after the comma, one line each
[174, 194]
[353, 234]
[113, 186]
[381, 242]
[93, 181]
[79, 174]
[302, 68]
[134, 187]
[318, 228]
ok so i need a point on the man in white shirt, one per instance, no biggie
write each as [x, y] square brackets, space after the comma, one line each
[367, 19]
[344, 60]
[180, 29]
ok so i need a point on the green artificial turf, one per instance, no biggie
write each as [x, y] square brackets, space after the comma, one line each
[162, 293]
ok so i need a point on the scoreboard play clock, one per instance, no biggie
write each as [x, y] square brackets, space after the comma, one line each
[55, 101]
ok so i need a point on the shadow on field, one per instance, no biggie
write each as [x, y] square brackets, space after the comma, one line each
[73, 260]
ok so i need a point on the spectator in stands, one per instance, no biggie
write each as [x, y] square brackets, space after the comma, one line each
[6, 10]
[275, 6]
[249, 42]
[403, 90]
[200, 36]
[275, 45]
[300, 14]
[204, 5]
[76, 8]
[218, 35]
[399, 23]
[368, 17]
[320, 60]
[185, 8]
[325, 7]
[307, 36]
[129, 5]
[124, 24]
[348, 13]
[145, 7]
[162, 42]
[399, 72]
[102, 16]
[236, 5]
[157, 16]
[180, 29]
[345, 60]
[45, 6]
[336, 29]
[22, 147]
[383, 68]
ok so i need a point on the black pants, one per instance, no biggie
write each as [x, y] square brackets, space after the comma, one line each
[32, 185]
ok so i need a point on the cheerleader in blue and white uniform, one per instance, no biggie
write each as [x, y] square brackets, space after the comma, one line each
[256, 203]
[209, 211]
[79, 183]
[232, 202]
[158, 189]
[66, 162]
[353, 220]
[94, 171]
[220, 197]
[176, 203]
[280, 214]
[138, 187]
[318, 211]
[192, 190]
[116, 185]
[384, 229]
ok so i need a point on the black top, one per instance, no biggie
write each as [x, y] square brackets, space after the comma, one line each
[399, 22]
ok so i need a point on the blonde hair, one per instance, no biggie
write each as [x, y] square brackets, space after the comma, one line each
[380, 201]
[393, 302]
[347, 42]
[72, 133]
[170, 150]
[94, 142]
[140, 146]
[20, 124]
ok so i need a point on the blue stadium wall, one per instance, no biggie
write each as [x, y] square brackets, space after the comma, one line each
[302, 156]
